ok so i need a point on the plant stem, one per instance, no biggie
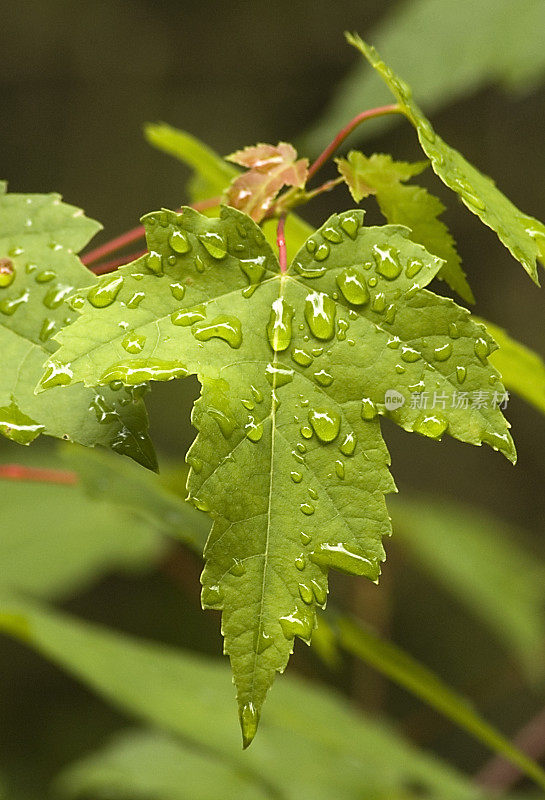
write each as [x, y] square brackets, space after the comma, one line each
[136, 233]
[324, 156]
[18, 472]
[281, 242]
[109, 266]
[499, 775]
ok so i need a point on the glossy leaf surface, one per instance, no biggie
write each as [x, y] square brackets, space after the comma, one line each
[290, 460]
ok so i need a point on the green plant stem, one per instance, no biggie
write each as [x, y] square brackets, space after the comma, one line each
[371, 113]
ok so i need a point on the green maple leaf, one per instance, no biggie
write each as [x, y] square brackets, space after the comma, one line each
[523, 235]
[39, 236]
[411, 206]
[295, 369]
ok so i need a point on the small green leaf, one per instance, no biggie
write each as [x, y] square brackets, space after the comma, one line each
[400, 667]
[522, 370]
[140, 764]
[313, 745]
[290, 458]
[523, 235]
[39, 236]
[412, 206]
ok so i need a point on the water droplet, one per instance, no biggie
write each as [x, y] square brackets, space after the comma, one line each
[48, 326]
[306, 594]
[387, 262]
[453, 331]
[319, 592]
[353, 286]
[56, 375]
[188, 316]
[195, 463]
[372, 281]
[213, 244]
[45, 276]
[140, 371]
[249, 718]
[301, 447]
[431, 425]
[311, 245]
[211, 597]
[277, 375]
[461, 374]
[320, 315]
[352, 561]
[225, 422]
[296, 477]
[199, 264]
[263, 642]
[332, 235]
[379, 303]
[390, 314]
[279, 325]
[154, 262]
[297, 624]
[134, 343]
[300, 562]
[9, 306]
[254, 270]
[317, 351]
[323, 378]
[17, 426]
[224, 326]
[492, 379]
[179, 242]
[7, 272]
[322, 252]
[339, 469]
[306, 433]
[368, 409]
[350, 224]
[301, 357]
[325, 422]
[305, 538]
[410, 355]
[307, 508]
[482, 349]
[237, 568]
[105, 292]
[258, 397]
[177, 290]
[413, 268]
[313, 493]
[443, 353]
[348, 445]
[393, 343]
[254, 430]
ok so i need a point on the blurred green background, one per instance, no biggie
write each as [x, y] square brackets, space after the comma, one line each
[77, 82]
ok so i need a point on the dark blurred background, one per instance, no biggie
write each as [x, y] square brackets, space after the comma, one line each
[77, 82]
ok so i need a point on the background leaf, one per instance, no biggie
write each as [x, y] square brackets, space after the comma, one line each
[323, 748]
[39, 236]
[501, 45]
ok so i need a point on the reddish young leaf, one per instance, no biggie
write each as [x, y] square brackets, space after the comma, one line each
[270, 167]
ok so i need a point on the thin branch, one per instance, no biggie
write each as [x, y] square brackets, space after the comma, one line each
[380, 111]
[19, 472]
[109, 266]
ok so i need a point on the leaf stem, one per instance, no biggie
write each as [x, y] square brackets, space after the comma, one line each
[19, 472]
[109, 266]
[371, 113]
[135, 234]
[281, 242]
